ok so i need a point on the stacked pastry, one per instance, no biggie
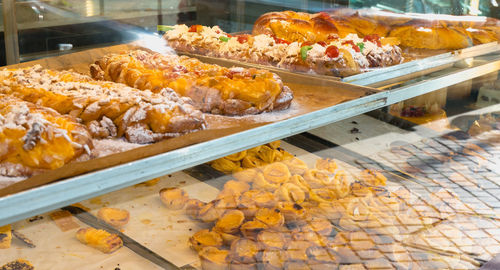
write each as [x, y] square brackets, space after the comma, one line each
[332, 55]
[425, 31]
[284, 215]
[213, 89]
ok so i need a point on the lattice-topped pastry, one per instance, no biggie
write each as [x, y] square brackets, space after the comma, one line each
[214, 89]
[35, 138]
[108, 109]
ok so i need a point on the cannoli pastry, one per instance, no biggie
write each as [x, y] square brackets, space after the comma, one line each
[213, 89]
[34, 138]
[108, 109]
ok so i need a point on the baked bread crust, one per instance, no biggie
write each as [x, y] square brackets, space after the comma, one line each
[34, 138]
[213, 89]
[423, 31]
[107, 109]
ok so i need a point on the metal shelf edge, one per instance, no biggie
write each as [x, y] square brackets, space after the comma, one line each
[62, 193]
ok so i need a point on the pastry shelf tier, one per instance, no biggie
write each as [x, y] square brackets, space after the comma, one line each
[413, 69]
[45, 198]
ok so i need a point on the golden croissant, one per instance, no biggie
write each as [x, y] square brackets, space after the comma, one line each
[36, 138]
[108, 109]
[214, 89]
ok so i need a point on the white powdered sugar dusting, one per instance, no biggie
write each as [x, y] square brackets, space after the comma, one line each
[265, 49]
[90, 99]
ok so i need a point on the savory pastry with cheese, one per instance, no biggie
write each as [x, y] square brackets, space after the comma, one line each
[99, 239]
[213, 89]
[108, 109]
[34, 138]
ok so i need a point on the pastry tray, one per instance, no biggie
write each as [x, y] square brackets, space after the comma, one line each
[308, 97]
[423, 62]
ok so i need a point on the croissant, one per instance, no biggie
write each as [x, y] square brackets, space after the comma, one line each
[108, 109]
[214, 89]
[36, 138]
[99, 239]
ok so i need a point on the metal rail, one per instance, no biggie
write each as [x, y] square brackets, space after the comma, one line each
[39, 200]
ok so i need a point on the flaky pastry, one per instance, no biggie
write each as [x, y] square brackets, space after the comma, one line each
[108, 109]
[214, 89]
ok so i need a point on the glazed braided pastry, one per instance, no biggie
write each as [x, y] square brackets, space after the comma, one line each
[35, 138]
[108, 109]
[214, 89]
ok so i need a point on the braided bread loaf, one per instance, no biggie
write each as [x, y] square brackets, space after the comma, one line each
[35, 138]
[424, 31]
[108, 109]
[214, 89]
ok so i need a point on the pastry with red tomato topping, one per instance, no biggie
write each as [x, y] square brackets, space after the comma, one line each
[212, 88]
[332, 55]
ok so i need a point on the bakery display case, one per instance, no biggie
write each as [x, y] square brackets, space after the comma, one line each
[324, 137]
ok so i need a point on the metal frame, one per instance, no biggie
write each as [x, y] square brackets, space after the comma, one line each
[75, 189]
[10, 31]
